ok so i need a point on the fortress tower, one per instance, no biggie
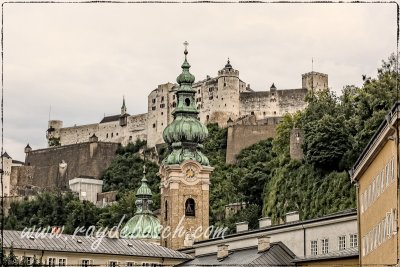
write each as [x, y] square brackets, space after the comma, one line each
[314, 81]
[185, 172]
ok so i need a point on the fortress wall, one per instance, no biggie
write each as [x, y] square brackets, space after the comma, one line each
[242, 136]
[87, 159]
[274, 103]
[77, 134]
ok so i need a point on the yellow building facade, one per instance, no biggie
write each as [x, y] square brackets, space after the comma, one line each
[375, 175]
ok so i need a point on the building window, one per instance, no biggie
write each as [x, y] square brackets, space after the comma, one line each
[387, 174]
[130, 138]
[51, 262]
[162, 106]
[106, 135]
[130, 264]
[113, 264]
[162, 99]
[62, 262]
[86, 263]
[190, 207]
[153, 100]
[154, 125]
[314, 247]
[342, 242]
[173, 104]
[354, 240]
[153, 108]
[325, 245]
[162, 113]
[252, 113]
[112, 135]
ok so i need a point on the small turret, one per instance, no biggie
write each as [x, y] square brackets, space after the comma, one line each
[273, 87]
[228, 70]
[27, 149]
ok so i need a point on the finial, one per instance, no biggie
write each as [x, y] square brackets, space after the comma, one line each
[144, 174]
[186, 44]
[228, 61]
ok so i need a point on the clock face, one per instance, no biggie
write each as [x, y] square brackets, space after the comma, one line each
[190, 174]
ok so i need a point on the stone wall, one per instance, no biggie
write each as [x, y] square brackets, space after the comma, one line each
[43, 168]
[241, 136]
[296, 143]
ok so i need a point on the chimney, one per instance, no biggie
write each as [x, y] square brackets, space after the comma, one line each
[113, 233]
[293, 216]
[223, 251]
[264, 222]
[264, 243]
[242, 227]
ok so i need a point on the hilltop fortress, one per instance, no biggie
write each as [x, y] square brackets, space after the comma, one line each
[224, 99]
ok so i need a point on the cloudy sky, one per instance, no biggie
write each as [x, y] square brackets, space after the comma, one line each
[82, 58]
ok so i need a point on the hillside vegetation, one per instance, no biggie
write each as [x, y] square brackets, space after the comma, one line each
[336, 130]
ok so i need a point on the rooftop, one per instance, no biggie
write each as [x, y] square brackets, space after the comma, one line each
[277, 255]
[83, 244]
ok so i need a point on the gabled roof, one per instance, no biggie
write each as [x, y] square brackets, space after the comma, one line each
[277, 255]
[83, 244]
[110, 118]
[5, 155]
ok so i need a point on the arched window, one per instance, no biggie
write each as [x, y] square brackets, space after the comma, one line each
[166, 210]
[190, 207]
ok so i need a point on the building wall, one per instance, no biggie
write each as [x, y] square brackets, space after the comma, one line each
[348, 261]
[314, 81]
[43, 166]
[98, 259]
[374, 205]
[5, 165]
[295, 237]
[87, 189]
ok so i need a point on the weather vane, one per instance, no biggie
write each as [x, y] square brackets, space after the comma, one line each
[186, 44]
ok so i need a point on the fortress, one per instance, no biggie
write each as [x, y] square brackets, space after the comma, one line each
[224, 99]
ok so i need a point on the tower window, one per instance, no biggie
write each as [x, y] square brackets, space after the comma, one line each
[153, 100]
[153, 108]
[162, 105]
[173, 104]
[112, 135]
[187, 102]
[252, 113]
[154, 125]
[106, 135]
[162, 99]
[190, 207]
[166, 210]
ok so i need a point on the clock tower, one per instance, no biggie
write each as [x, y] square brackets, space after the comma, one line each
[185, 172]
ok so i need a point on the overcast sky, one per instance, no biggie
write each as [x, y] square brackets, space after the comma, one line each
[82, 58]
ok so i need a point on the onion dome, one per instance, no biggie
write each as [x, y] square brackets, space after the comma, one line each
[228, 64]
[144, 225]
[186, 133]
[185, 77]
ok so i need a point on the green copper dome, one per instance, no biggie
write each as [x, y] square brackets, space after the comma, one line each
[144, 225]
[186, 133]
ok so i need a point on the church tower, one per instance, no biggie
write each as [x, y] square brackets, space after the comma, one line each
[185, 172]
[123, 118]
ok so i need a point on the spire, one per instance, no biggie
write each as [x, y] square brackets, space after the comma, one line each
[123, 108]
[5, 155]
[273, 87]
[186, 133]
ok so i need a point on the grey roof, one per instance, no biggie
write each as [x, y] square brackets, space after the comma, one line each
[347, 253]
[112, 118]
[5, 155]
[277, 255]
[83, 244]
